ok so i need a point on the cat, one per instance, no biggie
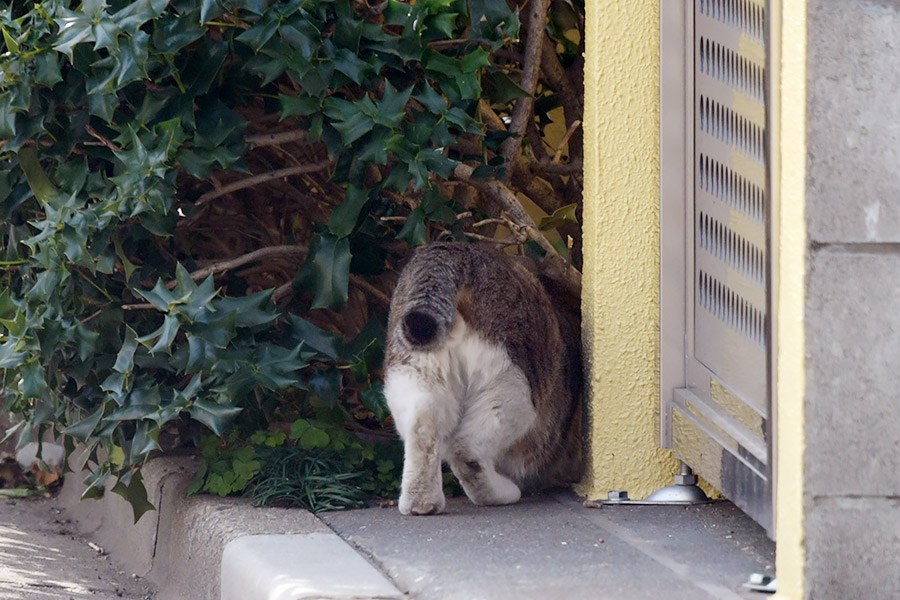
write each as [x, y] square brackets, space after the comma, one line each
[482, 371]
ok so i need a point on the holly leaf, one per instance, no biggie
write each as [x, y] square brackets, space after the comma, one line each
[204, 65]
[392, 108]
[298, 105]
[136, 495]
[164, 336]
[213, 415]
[345, 216]
[323, 342]
[125, 357]
[326, 272]
[561, 216]
[10, 358]
[373, 399]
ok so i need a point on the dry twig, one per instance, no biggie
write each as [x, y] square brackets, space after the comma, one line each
[104, 141]
[260, 179]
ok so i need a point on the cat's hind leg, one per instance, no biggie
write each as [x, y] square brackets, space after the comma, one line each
[494, 417]
[424, 415]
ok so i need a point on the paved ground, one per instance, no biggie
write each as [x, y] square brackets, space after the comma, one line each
[552, 547]
[42, 558]
[545, 548]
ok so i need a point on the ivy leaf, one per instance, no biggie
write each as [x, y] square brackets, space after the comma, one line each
[213, 415]
[326, 272]
[314, 438]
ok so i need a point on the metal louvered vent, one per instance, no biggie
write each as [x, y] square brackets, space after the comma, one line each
[716, 330]
[730, 204]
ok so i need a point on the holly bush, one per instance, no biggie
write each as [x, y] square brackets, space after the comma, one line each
[204, 205]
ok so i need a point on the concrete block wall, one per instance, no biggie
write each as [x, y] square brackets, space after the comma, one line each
[852, 459]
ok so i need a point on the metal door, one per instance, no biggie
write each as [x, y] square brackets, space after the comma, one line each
[718, 420]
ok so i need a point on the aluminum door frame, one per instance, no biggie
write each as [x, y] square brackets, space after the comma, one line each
[682, 398]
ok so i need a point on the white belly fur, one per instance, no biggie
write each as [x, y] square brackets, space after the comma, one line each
[472, 392]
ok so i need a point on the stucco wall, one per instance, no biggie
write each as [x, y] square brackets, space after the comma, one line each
[621, 247]
[852, 461]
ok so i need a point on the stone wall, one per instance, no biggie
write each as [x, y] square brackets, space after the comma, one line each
[853, 300]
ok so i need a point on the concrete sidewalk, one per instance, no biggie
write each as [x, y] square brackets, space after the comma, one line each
[550, 546]
[547, 547]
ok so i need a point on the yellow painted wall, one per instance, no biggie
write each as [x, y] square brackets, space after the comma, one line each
[789, 180]
[621, 248]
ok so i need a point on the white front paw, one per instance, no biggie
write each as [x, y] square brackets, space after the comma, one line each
[422, 503]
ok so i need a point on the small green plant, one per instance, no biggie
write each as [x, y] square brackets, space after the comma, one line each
[318, 466]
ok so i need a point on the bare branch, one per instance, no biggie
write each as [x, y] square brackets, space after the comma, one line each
[489, 240]
[282, 292]
[270, 252]
[101, 138]
[556, 76]
[556, 168]
[556, 267]
[559, 149]
[531, 66]
[276, 139]
[260, 179]
[371, 290]
[145, 306]
[234, 263]
[491, 119]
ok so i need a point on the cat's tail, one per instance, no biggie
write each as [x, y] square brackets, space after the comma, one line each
[427, 294]
[421, 328]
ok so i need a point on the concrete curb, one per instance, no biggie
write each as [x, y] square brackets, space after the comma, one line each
[271, 553]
